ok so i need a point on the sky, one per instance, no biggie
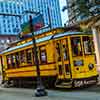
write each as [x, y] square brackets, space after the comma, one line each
[63, 14]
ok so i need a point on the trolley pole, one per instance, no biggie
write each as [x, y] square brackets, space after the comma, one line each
[40, 90]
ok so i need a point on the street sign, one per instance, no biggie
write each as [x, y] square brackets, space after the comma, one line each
[38, 22]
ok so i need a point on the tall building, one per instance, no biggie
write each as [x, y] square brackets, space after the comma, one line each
[11, 25]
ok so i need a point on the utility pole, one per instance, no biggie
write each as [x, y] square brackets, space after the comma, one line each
[40, 90]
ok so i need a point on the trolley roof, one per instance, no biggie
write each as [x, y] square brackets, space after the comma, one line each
[49, 37]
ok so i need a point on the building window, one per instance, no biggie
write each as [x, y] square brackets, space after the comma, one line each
[7, 10]
[8, 21]
[4, 21]
[16, 25]
[8, 26]
[9, 30]
[5, 30]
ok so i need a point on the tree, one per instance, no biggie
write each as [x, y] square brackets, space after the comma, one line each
[84, 8]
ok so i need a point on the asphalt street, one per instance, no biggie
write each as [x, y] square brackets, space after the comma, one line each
[92, 93]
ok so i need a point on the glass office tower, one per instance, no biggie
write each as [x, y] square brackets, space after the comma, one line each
[12, 24]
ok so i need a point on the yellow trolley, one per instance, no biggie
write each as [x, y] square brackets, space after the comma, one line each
[66, 59]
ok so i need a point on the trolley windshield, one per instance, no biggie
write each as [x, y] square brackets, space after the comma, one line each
[86, 42]
[76, 46]
[88, 45]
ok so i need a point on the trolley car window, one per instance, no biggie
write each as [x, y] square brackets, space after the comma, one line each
[17, 59]
[9, 63]
[13, 60]
[65, 50]
[92, 45]
[76, 46]
[88, 45]
[22, 57]
[43, 56]
[58, 51]
[29, 56]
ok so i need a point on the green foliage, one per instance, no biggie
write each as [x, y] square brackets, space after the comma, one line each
[85, 8]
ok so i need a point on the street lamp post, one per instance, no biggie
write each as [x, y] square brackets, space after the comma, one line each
[40, 90]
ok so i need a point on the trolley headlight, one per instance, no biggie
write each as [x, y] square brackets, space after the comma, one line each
[91, 66]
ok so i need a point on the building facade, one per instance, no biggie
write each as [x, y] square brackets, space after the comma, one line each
[11, 25]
